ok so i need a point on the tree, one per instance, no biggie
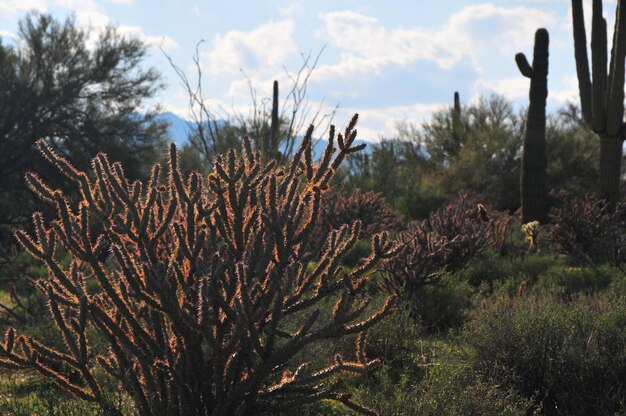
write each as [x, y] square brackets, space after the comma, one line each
[479, 153]
[80, 99]
[573, 155]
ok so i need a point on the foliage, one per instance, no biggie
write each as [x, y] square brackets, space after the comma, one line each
[488, 158]
[206, 296]
[442, 306]
[399, 170]
[590, 231]
[81, 99]
[568, 357]
[433, 378]
[419, 169]
[573, 154]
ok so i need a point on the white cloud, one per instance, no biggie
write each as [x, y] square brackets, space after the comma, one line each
[568, 92]
[5, 34]
[262, 49]
[368, 46]
[375, 123]
[474, 33]
[87, 12]
[11, 8]
[289, 11]
[163, 41]
[512, 88]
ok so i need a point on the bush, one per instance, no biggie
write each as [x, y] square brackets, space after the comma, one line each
[444, 305]
[207, 297]
[492, 270]
[447, 241]
[371, 208]
[568, 357]
[590, 231]
[572, 281]
[435, 378]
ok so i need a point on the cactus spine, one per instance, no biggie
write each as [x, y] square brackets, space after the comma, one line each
[602, 95]
[533, 175]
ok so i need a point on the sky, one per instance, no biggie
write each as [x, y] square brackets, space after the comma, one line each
[389, 61]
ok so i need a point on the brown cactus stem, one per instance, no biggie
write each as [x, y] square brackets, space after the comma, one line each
[533, 175]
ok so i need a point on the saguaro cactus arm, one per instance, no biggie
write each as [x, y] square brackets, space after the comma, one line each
[602, 101]
[582, 61]
[615, 99]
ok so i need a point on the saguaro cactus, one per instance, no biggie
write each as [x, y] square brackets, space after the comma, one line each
[456, 118]
[271, 143]
[602, 95]
[533, 176]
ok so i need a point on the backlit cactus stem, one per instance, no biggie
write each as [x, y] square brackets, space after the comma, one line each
[533, 173]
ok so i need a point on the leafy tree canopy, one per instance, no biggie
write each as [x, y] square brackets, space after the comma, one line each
[79, 91]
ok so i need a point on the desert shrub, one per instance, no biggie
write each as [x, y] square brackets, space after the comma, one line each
[435, 378]
[207, 297]
[449, 239]
[442, 305]
[361, 250]
[571, 281]
[455, 389]
[492, 270]
[590, 231]
[570, 358]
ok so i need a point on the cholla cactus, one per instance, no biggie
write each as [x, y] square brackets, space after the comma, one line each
[446, 241]
[207, 293]
[371, 208]
[531, 232]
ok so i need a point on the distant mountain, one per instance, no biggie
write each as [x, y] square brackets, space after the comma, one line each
[179, 128]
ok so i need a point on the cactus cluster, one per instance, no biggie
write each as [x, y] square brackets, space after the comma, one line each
[206, 293]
